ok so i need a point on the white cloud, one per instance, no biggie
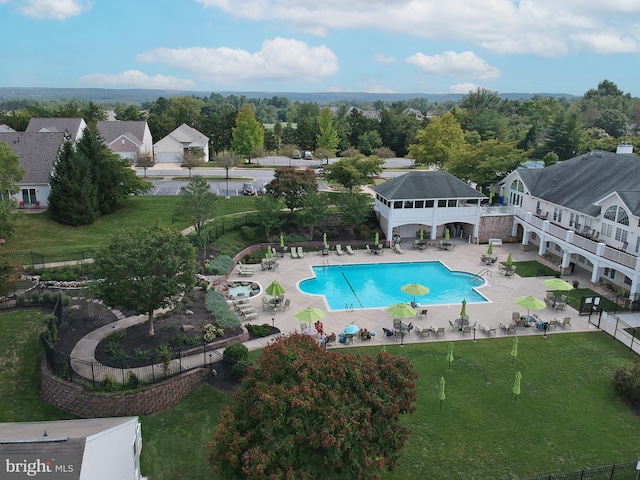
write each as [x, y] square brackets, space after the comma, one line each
[54, 9]
[137, 79]
[382, 58]
[546, 28]
[375, 87]
[463, 88]
[278, 59]
[465, 65]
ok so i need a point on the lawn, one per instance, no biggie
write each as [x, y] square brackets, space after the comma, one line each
[567, 417]
[38, 233]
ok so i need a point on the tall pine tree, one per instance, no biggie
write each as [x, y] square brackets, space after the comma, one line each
[74, 196]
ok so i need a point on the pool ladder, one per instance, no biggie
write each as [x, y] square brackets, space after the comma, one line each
[478, 276]
[348, 308]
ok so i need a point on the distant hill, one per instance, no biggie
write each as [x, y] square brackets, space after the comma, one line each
[137, 96]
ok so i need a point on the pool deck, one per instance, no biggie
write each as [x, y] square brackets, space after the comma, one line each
[499, 290]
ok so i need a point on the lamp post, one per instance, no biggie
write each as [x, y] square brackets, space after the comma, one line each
[474, 334]
[401, 338]
[226, 168]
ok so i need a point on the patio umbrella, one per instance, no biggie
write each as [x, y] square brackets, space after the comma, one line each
[422, 234]
[269, 253]
[447, 236]
[414, 289]
[275, 289]
[490, 249]
[310, 315]
[324, 239]
[401, 310]
[281, 241]
[514, 350]
[450, 355]
[442, 396]
[351, 329]
[557, 285]
[516, 386]
[530, 303]
[463, 310]
[376, 238]
[509, 261]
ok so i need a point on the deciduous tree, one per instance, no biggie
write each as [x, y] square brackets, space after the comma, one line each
[315, 208]
[192, 157]
[144, 160]
[328, 138]
[268, 213]
[354, 208]
[197, 203]
[308, 413]
[291, 184]
[248, 133]
[439, 142]
[10, 174]
[144, 269]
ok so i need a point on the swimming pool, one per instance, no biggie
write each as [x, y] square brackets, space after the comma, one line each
[378, 285]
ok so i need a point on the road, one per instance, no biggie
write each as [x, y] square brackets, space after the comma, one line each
[237, 176]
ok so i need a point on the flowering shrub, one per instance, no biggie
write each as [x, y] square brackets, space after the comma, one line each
[211, 332]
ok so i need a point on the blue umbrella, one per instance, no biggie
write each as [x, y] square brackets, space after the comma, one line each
[351, 329]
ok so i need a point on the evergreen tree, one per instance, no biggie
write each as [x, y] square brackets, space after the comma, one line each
[73, 199]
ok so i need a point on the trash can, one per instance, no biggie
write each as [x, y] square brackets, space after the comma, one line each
[342, 338]
[572, 267]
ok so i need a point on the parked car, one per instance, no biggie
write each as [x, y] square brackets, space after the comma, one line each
[308, 155]
[248, 189]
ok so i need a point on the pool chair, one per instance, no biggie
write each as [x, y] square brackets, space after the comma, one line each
[294, 252]
[440, 332]
[398, 249]
[339, 250]
[369, 249]
[349, 251]
[300, 252]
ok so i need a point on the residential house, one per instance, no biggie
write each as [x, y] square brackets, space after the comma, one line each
[431, 201]
[6, 128]
[89, 449]
[127, 138]
[171, 148]
[38, 152]
[75, 126]
[584, 212]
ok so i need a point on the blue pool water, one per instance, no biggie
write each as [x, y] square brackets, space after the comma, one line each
[378, 285]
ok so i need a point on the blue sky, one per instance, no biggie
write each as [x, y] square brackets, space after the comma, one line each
[390, 46]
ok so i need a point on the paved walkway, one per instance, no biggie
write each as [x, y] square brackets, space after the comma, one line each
[500, 291]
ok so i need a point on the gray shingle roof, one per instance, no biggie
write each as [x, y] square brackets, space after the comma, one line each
[418, 185]
[71, 125]
[110, 131]
[38, 152]
[580, 181]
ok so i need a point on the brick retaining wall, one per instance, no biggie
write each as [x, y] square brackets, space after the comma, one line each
[75, 399]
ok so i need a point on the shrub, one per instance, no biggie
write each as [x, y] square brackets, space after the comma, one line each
[108, 384]
[211, 332]
[163, 353]
[20, 300]
[51, 334]
[259, 330]
[216, 304]
[203, 285]
[46, 297]
[222, 264]
[133, 382]
[627, 383]
[239, 370]
[237, 351]
[184, 340]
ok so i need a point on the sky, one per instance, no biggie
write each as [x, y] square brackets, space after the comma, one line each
[376, 46]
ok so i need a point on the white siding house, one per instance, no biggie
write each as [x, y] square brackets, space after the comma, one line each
[171, 148]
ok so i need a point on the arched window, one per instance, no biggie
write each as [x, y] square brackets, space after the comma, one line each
[617, 214]
[516, 194]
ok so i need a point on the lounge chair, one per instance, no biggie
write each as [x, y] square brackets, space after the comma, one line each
[398, 249]
[566, 322]
[424, 332]
[508, 329]
[300, 252]
[487, 330]
[349, 251]
[560, 306]
[339, 250]
[294, 252]
[245, 270]
[369, 250]
[452, 326]
[466, 330]
[440, 331]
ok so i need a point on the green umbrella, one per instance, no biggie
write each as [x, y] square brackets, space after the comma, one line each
[281, 241]
[414, 289]
[530, 303]
[269, 253]
[516, 386]
[450, 355]
[324, 239]
[509, 261]
[422, 234]
[514, 350]
[463, 310]
[401, 310]
[310, 315]
[490, 249]
[557, 284]
[275, 289]
[447, 237]
[376, 238]
[442, 396]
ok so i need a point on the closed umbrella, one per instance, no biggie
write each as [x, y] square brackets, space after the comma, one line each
[324, 239]
[447, 236]
[490, 249]
[281, 241]
[422, 234]
[509, 262]
[450, 355]
[463, 310]
[514, 350]
[275, 289]
[269, 253]
[530, 303]
[442, 395]
[376, 238]
[516, 386]
[414, 289]
[401, 310]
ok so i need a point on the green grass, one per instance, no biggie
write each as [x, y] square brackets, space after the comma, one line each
[532, 268]
[40, 234]
[568, 416]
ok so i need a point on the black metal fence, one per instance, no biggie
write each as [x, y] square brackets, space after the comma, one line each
[619, 471]
[38, 260]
